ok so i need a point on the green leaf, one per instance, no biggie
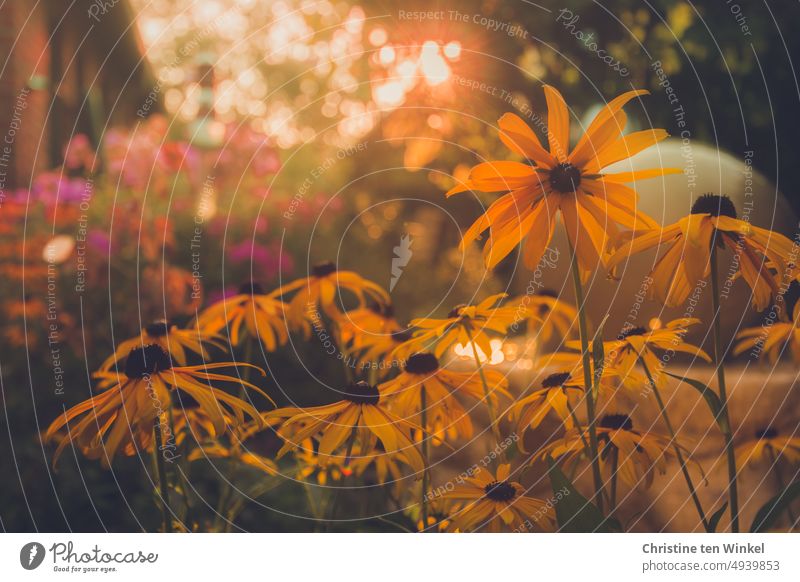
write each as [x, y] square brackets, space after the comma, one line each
[768, 514]
[575, 513]
[713, 521]
[711, 398]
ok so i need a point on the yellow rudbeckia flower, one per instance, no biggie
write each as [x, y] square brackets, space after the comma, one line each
[492, 503]
[632, 455]
[768, 444]
[423, 378]
[465, 324]
[173, 340]
[558, 392]
[562, 181]
[687, 260]
[262, 316]
[122, 413]
[321, 289]
[361, 415]
[636, 342]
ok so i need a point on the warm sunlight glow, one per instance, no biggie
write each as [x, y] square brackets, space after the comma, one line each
[452, 50]
[465, 351]
[389, 94]
[433, 66]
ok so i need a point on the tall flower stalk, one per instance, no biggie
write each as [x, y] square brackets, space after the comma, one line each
[425, 446]
[589, 382]
[678, 453]
[487, 394]
[163, 484]
[725, 423]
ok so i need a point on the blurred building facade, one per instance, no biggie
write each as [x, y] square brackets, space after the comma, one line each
[67, 68]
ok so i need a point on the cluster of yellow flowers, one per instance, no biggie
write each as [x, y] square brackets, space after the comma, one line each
[406, 400]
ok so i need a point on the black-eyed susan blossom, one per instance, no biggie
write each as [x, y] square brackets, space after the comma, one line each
[637, 342]
[560, 393]
[762, 255]
[466, 325]
[562, 181]
[360, 415]
[424, 381]
[173, 340]
[494, 503]
[320, 293]
[262, 316]
[633, 455]
[133, 400]
[768, 444]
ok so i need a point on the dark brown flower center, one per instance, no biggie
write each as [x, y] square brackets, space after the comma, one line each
[158, 328]
[616, 422]
[143, 362]
[422, 363]
[381, 309]
[500, 491]
[714, 205]
[362, 393]
[565, 178]
[766, 433]
[251, 288]
[555, 380]
[456, 311]
[401, 335]
[323, 269]
[639, 330]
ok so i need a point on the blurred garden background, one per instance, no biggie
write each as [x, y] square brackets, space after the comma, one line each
[159, 154]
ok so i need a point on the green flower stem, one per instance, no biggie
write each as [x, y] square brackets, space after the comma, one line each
[487, 393]
[425, 456]
[723, 395]
[587, 377]
[577, 424]
[162, 476]
[675, 446]
[238, 506]
[224, 497]
[333, 507]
